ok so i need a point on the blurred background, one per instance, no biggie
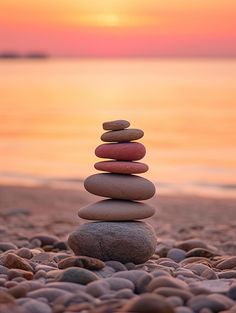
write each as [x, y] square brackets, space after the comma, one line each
[167, 66]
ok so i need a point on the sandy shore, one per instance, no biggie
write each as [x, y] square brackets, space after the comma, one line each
[28, 210]
[40, 273]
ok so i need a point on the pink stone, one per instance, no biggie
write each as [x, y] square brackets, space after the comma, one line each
[121, 167]
[121, 151]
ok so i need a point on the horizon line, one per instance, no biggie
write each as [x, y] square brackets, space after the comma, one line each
[45, 56]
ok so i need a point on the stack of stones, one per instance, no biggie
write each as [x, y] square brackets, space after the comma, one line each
[116, 234]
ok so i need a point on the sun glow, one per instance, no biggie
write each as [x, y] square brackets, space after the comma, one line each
[109, 20]
[100, 20]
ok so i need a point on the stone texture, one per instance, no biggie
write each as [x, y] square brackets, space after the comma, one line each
[164, 281]
[147, 303]
[229, 263]
[190, 244]
[121, 167]
[214, 285]
[117, 186]
[176, 254]
[81, 261]
[129, 151]
[116, 210]
[5, 246]
[124, 135]
[77, 275]
[125, 242]
[45, 239]
[12, 260]
[115, 125]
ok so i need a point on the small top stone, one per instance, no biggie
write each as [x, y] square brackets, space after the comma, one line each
[116, 125]
[123, 135]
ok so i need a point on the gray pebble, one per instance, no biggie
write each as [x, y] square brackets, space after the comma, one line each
[5, 246]
[176, 254]
[216, 304]
[232, 292]
[124, 294]
[77, 298]
[107, 271]
[3, 270]
[116, 265]
[67, 286]
[25, 253]
[34, 306]
[175, 301]
[77, 275]
[213, 286]
[132, 275]
[142, 283]
[51, 294]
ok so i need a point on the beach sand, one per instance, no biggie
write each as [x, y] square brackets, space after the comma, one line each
[54, 211]
[40, 274]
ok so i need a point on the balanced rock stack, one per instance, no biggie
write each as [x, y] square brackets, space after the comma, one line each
[117, 235]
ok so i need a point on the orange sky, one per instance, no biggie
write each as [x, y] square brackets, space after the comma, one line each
[119, 27]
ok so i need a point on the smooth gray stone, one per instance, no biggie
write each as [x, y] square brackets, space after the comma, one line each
[34, 306]
[120, 186]
[124, 242]
[116, 210]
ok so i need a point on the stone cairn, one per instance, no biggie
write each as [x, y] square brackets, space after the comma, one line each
[116, 234]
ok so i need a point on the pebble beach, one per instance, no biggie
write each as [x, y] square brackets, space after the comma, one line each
[193, 268]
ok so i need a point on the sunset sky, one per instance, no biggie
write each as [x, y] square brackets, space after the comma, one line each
[110, 28]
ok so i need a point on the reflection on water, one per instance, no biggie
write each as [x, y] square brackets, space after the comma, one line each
[51, 114]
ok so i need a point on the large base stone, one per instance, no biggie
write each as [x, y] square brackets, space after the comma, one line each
[119, 241]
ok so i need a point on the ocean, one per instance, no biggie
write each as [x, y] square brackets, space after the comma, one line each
[51, 114]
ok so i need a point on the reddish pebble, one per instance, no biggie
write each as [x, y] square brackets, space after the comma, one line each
[121, 167]
[116, 125]
[123, 135]
[130, 151]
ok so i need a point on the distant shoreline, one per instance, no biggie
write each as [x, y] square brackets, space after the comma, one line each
[16, 56]
[76, 183]
[45, 56]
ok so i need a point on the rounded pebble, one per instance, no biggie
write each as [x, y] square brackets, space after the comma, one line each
[51, 294]
[117, 186]
[232, 292]
[77, 275]
[165, 281]
[128, 151]
[116, 210]
[147, 303]
[124, 242]
[176, 254]
[5, 246]
[123, 135]
[34, 306]
[12, 260]
[81, 261]
[45, 239]
[121, 167]
[172, 291]
[116, 125]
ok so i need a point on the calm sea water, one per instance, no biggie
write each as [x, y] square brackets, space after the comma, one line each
[51, 114]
